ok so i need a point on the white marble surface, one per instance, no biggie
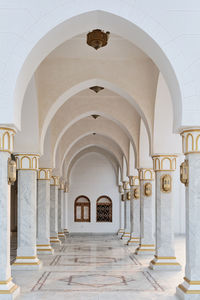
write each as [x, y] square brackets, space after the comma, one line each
[99, 267]
[53, 211]
[43, 216]
[147, 241]
[60, 212]
[26, 238]
[192, 269]
[5, 270]
[135, 219]
[164, 227]
[127, 222]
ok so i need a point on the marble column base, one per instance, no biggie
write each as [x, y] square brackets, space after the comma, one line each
[61, 235]
[66, 231]
[45, 249]
[147, 249]
[188, 290]
[120, 234]
[54, 240]
[8, 290]
[120, 231]
[27, 263]
[126, 236]
[165, 263]
[133, 241]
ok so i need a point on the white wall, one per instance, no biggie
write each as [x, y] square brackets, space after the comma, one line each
[93, 176]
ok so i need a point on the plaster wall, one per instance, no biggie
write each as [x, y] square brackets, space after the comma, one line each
[93, 176]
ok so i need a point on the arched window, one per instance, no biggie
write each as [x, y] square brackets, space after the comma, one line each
[82, 209]
[104, 209]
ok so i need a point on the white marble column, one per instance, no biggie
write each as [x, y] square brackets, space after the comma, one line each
[27, 166]
[127, 223]
[164, 166]
[61, 234]
[190, 288]
[43, 209]
[121, 212]
[8, 290]
[65, 210]
[134, 211]
[54, 184]
[147, 198]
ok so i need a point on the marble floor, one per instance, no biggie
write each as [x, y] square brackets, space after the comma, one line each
[98, 267]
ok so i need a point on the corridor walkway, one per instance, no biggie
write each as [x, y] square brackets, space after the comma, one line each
[98, 267]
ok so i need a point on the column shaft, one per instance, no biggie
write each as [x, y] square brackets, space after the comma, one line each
[65, 211]
[43, 219]
[190, 288]
[147, 244]
[54, 211]
[60, 213]
[165, 252]
[8, 290]
[27, 198]
[127, 222]
[134, 211]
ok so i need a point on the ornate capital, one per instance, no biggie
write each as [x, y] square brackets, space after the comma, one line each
[134, 181]
[191, 141]
[164, 162]
[66, 188]
[146, 174]
[61, 186]
[6, 139]
[121, 189]
[54, 180]
[126, 185]
[44, 173]
[27, 161]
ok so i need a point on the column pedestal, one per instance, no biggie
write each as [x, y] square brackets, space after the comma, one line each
[8, 289]
[134, 213]
[147, 244]
[190, 288]
[27, 259]
[164, 166]
[54, 184]
[43, 220]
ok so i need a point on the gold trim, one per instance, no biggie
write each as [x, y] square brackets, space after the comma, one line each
[190, 130]
[26, 263]
[164, 257]
[44, 249]
[164, 264]
[139, 250]
[11, 291]
[188, 291]
[26, 257]
[21, 169]
[43, 245]
[2, 150]
[192, 282]
[165, 155]
[192, 152]
[7, 128]
[6, 281]
[141, 245]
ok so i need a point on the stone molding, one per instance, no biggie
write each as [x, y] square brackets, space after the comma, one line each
[7, 139]
[164, 162]
[191, 141]
[27, 161]
[44, 173]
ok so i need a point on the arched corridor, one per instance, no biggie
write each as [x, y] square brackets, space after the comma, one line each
[99, 149]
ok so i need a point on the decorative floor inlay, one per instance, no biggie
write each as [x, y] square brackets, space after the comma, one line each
[92, 282]
[96, 268]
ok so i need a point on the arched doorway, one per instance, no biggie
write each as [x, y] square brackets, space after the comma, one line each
[82, 209]
[104, 209]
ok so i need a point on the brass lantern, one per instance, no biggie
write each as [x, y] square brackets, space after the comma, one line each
[97, 38]
[166, 183]
[184, 170]
[148, 189]
[136, 193]
[11, 171]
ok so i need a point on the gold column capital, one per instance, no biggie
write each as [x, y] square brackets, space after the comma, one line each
[164, 162]
[191, 141]
[126, 185]
[146, 174]
[7, 139]
[134, 180]
[54, 180]
[27, 161]
[61, 186]
[44, 173]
